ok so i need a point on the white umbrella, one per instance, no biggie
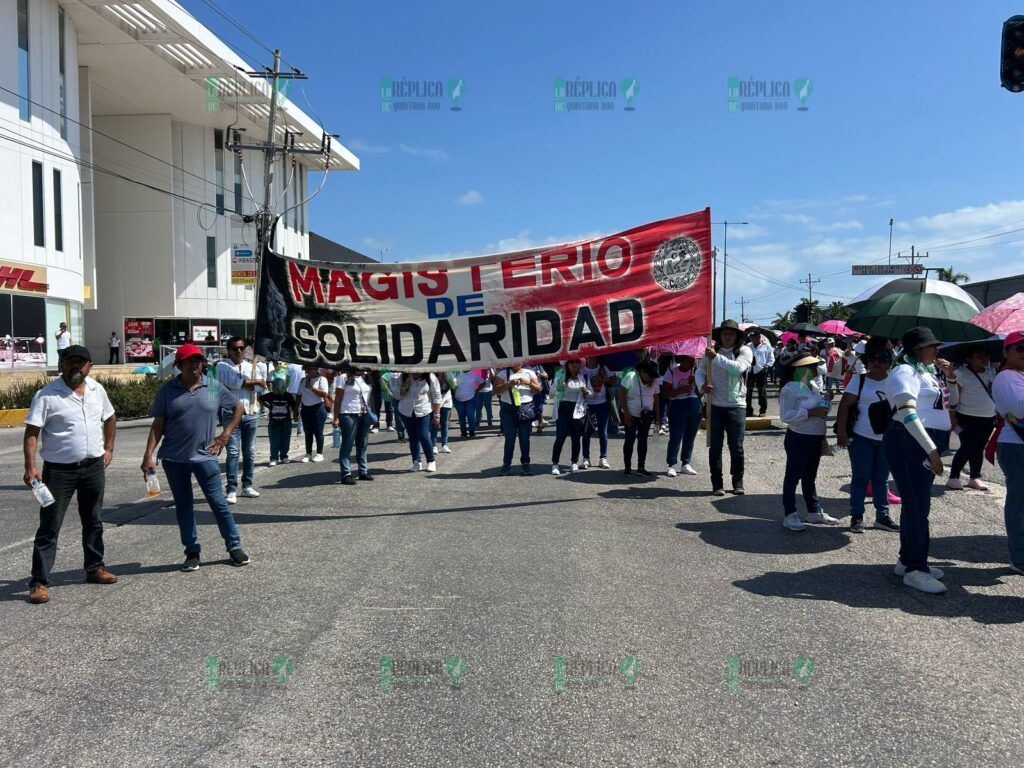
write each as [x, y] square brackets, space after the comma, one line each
[915, 285]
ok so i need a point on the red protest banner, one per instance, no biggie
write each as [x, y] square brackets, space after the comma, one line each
[637, 288]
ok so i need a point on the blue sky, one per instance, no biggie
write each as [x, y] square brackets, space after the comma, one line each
[906, 119]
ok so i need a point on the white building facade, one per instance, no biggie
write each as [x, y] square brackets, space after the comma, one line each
[135, 110]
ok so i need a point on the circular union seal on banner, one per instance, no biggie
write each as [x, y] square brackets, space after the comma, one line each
[676, 263]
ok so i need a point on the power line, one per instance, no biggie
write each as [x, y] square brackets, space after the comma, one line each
[238, 25]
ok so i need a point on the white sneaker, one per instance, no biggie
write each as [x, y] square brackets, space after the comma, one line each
[416, 466]
[924, 582]
[688, 470]
[793, 522]
[585, 464]
[284, 461]
[391, 429]
[672, 471]
[305, 459]
[575, 469]
[555, 470]
[272, 463]
[604, 464]
[431, 466]
[445, 448]
[954, 484]
[318, 457]
[250, 493]
[232, 498]
[935, 573]
[822, 518]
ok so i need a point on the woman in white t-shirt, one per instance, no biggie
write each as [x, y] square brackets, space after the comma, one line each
[974, 417]
[467, 385]
[352, 413]
[803, 407]
[485, 398]
[1008, 393]
[918, 400]
[571, 388]
[313, 412]
[681, 402]
[445, 380]
[638, 402]
[515, 387]
[867, 459]
[419, 407]
[598, 410]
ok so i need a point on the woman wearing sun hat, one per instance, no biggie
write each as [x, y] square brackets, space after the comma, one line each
[1008, 394]
[803, 408]
[919, 418]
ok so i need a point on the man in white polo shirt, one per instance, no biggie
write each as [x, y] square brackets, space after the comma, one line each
[237, 375]
[63, 337]
[74, 422]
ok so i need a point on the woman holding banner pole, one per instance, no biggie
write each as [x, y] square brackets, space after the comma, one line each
[515, 387]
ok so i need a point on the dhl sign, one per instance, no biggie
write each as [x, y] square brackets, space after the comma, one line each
[22, 278]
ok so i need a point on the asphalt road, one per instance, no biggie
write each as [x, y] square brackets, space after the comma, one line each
[446, 620]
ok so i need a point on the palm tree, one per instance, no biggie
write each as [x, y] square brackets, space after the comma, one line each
[950, 276]
[782, 321]
[837, 310]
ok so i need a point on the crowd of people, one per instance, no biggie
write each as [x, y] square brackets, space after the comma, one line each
[899, 403]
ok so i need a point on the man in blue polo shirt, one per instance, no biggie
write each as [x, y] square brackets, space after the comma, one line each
[185, 415]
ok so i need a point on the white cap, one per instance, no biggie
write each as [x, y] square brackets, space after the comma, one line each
[830, 340]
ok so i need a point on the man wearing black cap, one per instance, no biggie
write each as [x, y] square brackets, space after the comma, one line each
[73, 421]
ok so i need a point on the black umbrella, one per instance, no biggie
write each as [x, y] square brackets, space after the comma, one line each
[772, 336]
[807, 329]
[958, 351]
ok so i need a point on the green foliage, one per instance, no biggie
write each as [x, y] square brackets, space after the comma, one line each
[838, 311]
[950, 275]
[131, 399]
[783, 320]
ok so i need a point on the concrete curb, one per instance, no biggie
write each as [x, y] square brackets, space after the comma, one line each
[753, 423]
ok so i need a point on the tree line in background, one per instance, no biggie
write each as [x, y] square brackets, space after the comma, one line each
[811, 312]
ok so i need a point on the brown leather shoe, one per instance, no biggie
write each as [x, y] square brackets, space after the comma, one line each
[100, 576]
[38, 593]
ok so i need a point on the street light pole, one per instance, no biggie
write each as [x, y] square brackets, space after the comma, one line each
[382, 252]
[890, 241]
[725, 264]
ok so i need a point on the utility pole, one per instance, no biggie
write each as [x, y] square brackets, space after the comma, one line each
[914, 256]
[714, 282]
[725, 263]
[890, 240]
[809, 283]
[743, 308]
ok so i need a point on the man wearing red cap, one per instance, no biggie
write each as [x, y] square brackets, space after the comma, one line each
[185, 415]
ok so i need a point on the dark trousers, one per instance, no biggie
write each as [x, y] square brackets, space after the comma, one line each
[683, 423]
[483, 403]
[597, 423]
[868, 465]
[513, 427]
[441, 427]
[567, 426]
[760, 382]
[726, 423]
[418, 429]
[115, 355]
[914, 483]
[313, 418]
[637, 432]
[974, 435]
[280, 433]
[803, 453]
[89, 483]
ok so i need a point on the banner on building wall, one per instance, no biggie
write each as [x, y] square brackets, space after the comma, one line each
[243, 266]
[23, 278]
[637, 288]
[138, 339]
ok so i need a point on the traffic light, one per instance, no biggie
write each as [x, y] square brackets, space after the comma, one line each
[1011, 60]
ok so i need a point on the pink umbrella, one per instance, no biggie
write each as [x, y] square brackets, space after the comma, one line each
[1002, 317]
[786, 336]
[838, 328]
[692, 347]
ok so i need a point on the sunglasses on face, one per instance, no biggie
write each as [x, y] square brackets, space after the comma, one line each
[1018, 348]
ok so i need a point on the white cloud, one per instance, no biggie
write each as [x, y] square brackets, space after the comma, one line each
[430, 154]
[973, 218]
[472, 197]
[366, 147]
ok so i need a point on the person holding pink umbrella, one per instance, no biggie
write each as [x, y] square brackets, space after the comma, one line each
[1008, 394]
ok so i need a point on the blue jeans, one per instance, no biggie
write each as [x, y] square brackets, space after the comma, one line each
[467, 411]
[313, 418]
[683, 423]
[483, 403]
[242, 440]
[567, 426]
[599, 413]
[1011, 461]
[914, 483]
[868, 463]
[442, 427]
[354, 432]
[512, 427]
[280, 434]
[207, 474]
[727, 422]
[803, 453]
[418, 429]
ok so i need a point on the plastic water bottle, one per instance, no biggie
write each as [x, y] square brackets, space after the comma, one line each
[336, 437]
[42, 493]
[152, 483]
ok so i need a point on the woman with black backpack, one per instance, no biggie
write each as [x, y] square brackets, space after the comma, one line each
[860, 426]
[515, 387]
